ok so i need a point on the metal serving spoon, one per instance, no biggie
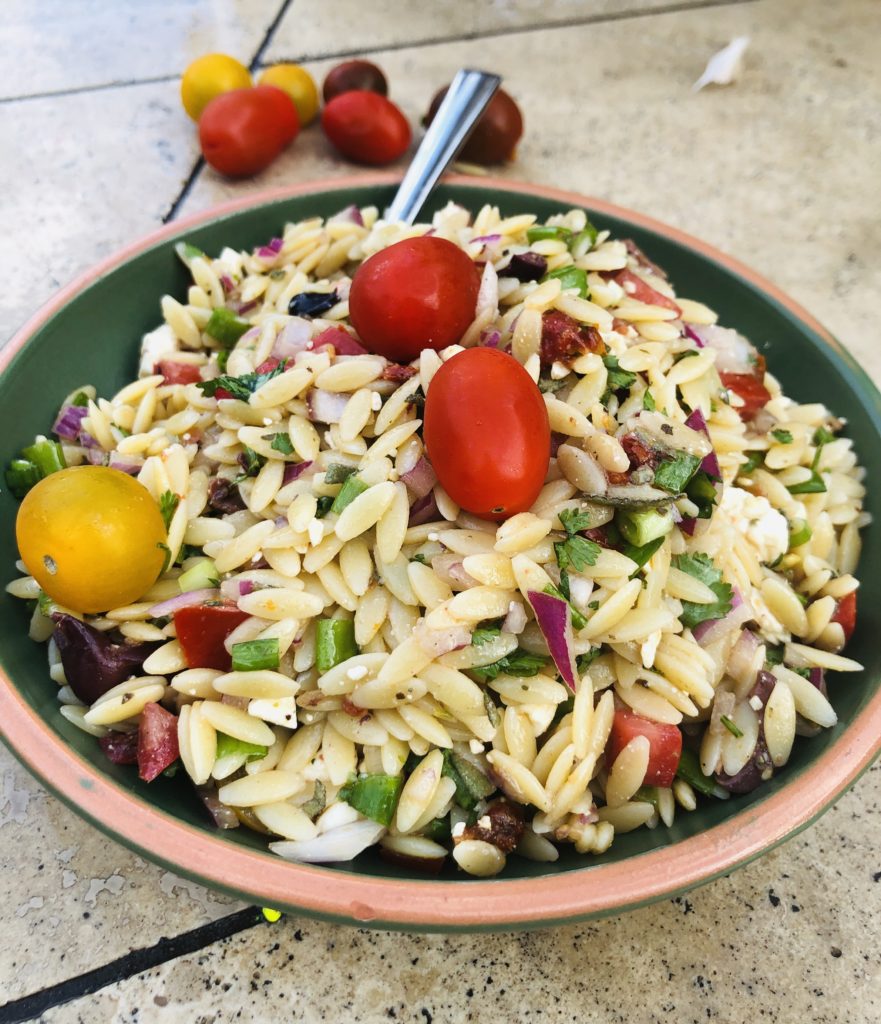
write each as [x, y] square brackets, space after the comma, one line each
[466, 99]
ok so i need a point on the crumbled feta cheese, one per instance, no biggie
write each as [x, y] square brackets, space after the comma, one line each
[356, 672]
[316, 532]
[458, 829]
[475, 746]
[282, 711]
[376, 401]
[755, 517]
[755, 702]
[559, 371]
[155, 346]
[648, 648]
[185, 437]
[267, 420]
[256, 556]
[485, 822]
[432, 536]
[771, 628]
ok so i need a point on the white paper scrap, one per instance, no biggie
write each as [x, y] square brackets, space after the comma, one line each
[724, 67]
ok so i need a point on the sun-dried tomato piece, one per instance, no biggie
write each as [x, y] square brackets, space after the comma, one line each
[563, 338]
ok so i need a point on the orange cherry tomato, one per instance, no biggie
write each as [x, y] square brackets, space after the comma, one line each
[487, 433]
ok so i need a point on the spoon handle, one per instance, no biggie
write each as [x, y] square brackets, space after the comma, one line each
[465, 101]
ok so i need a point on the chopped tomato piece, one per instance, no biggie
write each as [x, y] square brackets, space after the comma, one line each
[846, 614]
[157, 741]
[343, 342]
[268, 365]
[748, 387]
[636, 288]
[397, 373]
[564, 338]
[177, 373]
[201, 630]
[665, 745]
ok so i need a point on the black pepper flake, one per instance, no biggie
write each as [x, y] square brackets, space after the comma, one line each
[666, 428]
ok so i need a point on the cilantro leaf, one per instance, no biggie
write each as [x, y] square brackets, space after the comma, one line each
[648, 401]
[484, 635]
[576, 551]
[282, 443]
[783, 436]
[168, 503]
[701, 567]
[753, 461]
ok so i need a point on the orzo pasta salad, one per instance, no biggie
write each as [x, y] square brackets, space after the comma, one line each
[472, 538]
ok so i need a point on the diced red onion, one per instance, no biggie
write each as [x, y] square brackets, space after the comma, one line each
[556, 440]
[271, 250]
[132, 464]
[515, 620]
[709, 464]
[96, 456]
[488, 294]
[420, 480]
[293, 471]
[423, 510]
[187, 600]
[294, 337]
[236, 588]
[580, 590]
[734, 353]
[554, 620]
[449, 568]
[69, 420]
[242, 308]
[236, 702]
[222, 814]
[86, 440]
[325, 406]
[349, 215]
[690, 332]
[711, 630]
[227, 282]
[441, 641]
[490, 339]
[487, 238]
[817, 678]
[741, 658]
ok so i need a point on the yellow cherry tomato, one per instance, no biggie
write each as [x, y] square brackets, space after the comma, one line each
[92, 537]
[209, 76]
[298, 84]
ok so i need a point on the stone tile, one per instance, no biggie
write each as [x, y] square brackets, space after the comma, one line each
[312, 28]
[779, 169]
[73, 899]
[91, 172]
[63, 45]
[787, 939]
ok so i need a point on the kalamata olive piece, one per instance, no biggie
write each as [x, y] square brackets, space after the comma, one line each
[353, 75]
[497, 133]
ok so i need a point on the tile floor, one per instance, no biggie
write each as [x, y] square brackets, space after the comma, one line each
[781, 170]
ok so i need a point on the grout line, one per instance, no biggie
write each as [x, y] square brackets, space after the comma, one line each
[30, 1007]
[197, 168]
[589, 19]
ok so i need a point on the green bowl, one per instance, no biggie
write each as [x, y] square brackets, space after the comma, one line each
[90, 334]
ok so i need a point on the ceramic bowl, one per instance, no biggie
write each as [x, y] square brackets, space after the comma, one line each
[90, 333]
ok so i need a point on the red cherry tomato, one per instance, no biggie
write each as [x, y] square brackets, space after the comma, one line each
[366, 127]
[665, 744]
[750, 387]
[201, 630]
[846, 614]
[157, 741]
[418, 293]
[177, 373]
[487, 433]
[243, 131]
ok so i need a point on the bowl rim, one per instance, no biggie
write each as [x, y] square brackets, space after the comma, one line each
[431, 905]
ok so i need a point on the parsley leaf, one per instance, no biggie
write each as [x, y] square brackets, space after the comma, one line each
[239, 387]
[548, 384]
[701, 567]
[168, 503]
[648, 401]
[673, 474]
[577, 552]
[584, 661]
[574, 521]
[753, 461]
[517, 663]
[282, 443]
[324, 504]
[250, 462]
[484, 635]
[337, 473]
[578, 620]
[823, 436]
[783, 436]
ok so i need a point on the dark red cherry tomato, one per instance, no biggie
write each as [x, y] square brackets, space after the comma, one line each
[497, 132]
[418, 293]
[487, 433]
[366, 127]
[665, 745]
[354, 75]
[243, 131]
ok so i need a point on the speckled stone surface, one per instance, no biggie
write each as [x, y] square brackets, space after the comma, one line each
[780, 169]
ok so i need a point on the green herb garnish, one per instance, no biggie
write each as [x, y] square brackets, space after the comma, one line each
[168, 503]
[701, 567]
